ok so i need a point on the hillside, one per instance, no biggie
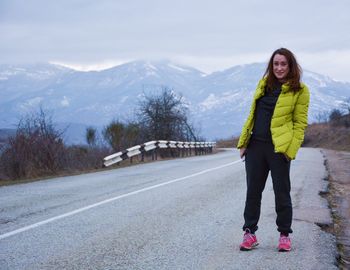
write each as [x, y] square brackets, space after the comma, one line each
[333, 135]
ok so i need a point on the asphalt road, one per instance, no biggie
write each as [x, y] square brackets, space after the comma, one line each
[176, 214]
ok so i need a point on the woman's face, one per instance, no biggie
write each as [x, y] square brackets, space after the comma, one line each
[280, 67]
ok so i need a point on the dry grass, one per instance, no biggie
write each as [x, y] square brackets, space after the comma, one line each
[328, 135]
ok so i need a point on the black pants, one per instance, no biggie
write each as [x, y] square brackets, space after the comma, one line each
[260, 159]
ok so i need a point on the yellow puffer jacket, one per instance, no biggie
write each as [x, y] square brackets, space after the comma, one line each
[288, 122]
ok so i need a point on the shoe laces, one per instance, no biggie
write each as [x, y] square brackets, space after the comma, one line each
[248, 237]
[284, 239]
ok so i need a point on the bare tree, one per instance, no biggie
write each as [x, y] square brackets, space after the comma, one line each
[91, 136]
[346, 105]
[131, 134]
[113, 134]
[164, 117]
[36, 149]
[322, 117]
[335, 115]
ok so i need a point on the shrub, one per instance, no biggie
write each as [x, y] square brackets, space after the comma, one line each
[35, 150]
[334, 115]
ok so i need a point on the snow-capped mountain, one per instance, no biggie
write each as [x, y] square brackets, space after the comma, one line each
[218, 102]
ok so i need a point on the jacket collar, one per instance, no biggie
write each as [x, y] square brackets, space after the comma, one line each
[285, 88]
[262, 85]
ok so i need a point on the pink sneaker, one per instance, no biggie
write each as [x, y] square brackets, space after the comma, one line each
[284, 244]
[249, 241]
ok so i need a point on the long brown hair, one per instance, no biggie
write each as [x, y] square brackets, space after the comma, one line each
[293, 76]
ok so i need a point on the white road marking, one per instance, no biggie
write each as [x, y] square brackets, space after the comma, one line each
[79, 210]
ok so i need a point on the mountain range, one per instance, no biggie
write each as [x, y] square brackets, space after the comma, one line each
[218, 103]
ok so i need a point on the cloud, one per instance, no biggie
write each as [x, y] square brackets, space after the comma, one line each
[86, 32]
[334, 63]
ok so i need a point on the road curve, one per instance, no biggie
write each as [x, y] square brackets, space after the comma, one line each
[174, 214]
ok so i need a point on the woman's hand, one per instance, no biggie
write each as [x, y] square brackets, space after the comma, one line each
[287, 158]
[242, 151]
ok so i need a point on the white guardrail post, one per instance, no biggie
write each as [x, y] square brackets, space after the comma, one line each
[184, 148]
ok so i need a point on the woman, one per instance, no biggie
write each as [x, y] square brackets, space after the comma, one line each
[270, 139]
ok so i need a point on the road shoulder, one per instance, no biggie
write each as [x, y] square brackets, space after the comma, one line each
[338, 195]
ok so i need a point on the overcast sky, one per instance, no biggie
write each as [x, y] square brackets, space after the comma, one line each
[208, 35]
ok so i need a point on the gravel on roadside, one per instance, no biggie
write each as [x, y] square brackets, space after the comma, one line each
[338, 167]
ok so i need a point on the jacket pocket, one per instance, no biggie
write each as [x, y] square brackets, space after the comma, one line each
[285, 159]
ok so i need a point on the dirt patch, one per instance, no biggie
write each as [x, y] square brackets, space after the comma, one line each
[338, 166]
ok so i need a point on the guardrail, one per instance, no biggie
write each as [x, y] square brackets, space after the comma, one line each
[185, 149]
